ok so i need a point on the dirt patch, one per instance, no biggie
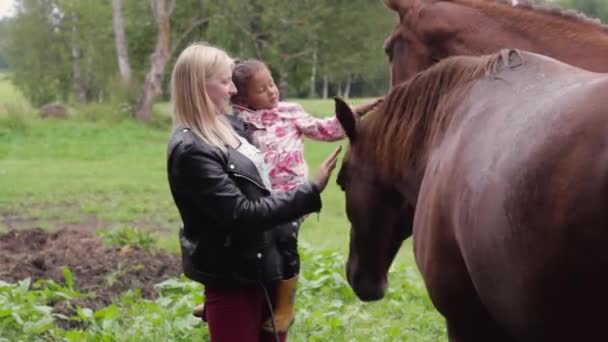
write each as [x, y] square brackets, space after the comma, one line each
[106, 272]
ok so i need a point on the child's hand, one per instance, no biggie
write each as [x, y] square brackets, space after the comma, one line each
[325, 169]
[365, 108]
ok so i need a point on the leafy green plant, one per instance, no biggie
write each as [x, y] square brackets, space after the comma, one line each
[327, 310]
[127, 236]
[25, 311]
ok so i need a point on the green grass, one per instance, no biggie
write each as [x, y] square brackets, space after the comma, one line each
[8, 93]
[105, 174]
[11, 100]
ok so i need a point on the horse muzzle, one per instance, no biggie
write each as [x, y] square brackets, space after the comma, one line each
[366, 288]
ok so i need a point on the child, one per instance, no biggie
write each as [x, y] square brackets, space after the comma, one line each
[279, 128]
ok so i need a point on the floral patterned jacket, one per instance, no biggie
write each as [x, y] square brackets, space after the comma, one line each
[279, 133]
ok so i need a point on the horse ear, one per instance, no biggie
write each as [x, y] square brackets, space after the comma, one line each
[347, 118]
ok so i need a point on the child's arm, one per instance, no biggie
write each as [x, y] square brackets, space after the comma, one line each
[328, 129]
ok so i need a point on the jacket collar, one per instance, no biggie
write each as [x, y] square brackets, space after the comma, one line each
[240, 165]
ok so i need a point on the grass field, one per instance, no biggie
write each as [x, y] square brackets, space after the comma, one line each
[109, 174]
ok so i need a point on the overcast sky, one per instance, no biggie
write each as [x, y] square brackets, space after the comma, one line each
[6, 7]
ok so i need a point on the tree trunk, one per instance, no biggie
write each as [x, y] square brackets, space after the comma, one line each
[313, 74]
[121, 44]
[256, 29]
[80, 94]
[153, 82]
[325, 86]
[89, 73]
[349, 81]
[283, 82]
[339, 89]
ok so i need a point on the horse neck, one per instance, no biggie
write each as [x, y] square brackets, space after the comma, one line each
[573, 40]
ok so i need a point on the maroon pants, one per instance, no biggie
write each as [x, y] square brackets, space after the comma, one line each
[238, 314]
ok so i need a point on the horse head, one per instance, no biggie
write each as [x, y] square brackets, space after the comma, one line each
[410, 48]
[431, 30]
[379, 215]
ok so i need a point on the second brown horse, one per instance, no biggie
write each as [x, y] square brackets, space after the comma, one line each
[431, 30]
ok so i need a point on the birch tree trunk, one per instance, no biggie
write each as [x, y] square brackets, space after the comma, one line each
[153, 82]
[121, 43]
[313, 74]
[77, 79]
[346, 92]
[325, 86]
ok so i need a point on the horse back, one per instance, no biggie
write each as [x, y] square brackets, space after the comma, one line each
[514, 199]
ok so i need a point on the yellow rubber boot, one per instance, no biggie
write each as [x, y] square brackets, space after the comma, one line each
[198, 310]
[284, 311]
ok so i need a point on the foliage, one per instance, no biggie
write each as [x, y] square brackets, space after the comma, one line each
[69, 55]
[593, 8]
[326, 310]
[127, 236]
[63, 56]
[26, 312]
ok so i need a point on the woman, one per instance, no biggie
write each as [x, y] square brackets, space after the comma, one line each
[220, 186]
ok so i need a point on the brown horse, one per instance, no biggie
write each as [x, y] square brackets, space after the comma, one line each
[430, 30]
[500, 164]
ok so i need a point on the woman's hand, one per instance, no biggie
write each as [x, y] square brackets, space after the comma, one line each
[325, 169]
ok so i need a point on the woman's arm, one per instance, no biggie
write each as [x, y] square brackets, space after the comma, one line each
[217, 196]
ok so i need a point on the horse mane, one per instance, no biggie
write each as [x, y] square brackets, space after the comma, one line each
[399, 134]
[535, 6]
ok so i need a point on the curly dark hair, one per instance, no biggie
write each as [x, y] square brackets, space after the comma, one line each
[242, 73]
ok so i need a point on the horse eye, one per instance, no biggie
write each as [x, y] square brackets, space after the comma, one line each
[341, 178]
[388, 50]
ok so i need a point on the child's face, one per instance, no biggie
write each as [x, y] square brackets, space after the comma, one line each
[262, 92]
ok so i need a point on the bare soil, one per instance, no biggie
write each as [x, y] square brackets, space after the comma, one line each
[105, 272]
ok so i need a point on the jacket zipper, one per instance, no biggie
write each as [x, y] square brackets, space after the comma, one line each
[251, 180]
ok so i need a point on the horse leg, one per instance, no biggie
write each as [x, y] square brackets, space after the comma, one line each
[466, 317]
[452, 292]
[477, 327]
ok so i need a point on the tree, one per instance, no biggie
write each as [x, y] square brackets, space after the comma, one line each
[164, 50]
[120, 40]
[79, 50]
[62, 57]
[153, 82]
[353, 53]
[38, 70]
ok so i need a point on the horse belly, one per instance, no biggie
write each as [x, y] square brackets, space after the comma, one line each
[524, 232]
[535, 242]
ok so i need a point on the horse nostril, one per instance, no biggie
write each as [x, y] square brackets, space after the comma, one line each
[366, 289]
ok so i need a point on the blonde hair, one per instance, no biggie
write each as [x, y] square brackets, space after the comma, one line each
[192, 107]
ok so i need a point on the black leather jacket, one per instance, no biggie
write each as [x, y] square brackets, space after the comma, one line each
[229, 218]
